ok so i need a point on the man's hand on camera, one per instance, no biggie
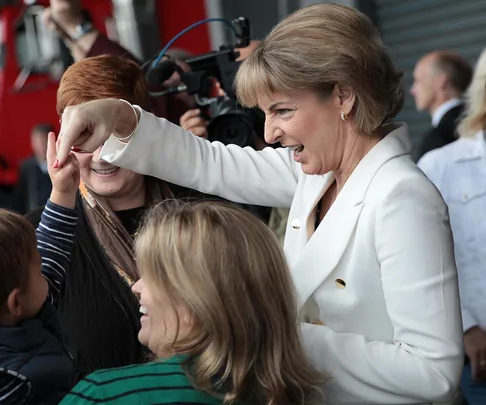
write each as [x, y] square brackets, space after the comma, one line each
[192, 121]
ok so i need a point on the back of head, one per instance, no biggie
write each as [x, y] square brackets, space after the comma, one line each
[43, 128]
[316, 48]
[17, 246]
[227, 268]
[455, 67]
[38, 140]
[105, 76]
[475, 115]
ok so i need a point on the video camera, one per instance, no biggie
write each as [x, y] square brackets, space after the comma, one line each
[229, 123]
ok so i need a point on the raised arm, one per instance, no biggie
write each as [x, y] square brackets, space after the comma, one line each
[55, 238]
[164, 150]
[55, 233]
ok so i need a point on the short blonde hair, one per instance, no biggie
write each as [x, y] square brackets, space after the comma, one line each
[475, 114]
[316, 48]
[226, 267]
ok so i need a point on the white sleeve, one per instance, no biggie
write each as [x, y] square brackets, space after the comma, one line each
[468, 320]
[432, 165]
[164, 150]
[424, 361]
[427, 165]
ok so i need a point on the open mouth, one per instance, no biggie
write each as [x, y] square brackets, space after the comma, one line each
[143, 310]
[106, 172]
[297, 148]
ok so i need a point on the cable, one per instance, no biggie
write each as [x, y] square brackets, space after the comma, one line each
[185, 30]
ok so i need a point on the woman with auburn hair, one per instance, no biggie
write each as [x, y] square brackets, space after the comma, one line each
[368, 238]
[219, 336]
[98, 311]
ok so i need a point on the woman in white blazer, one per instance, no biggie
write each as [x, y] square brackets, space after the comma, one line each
[376, 278]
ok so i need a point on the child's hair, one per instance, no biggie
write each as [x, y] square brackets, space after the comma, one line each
[227, 268]
[17, 246]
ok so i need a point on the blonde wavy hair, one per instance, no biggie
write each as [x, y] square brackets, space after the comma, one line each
[475, 115]
[226, 267]
[316, 48]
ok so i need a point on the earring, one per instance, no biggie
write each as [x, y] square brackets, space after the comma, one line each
[344, 117]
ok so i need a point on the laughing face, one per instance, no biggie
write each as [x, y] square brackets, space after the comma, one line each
[106, 179]
[311, 127]
[162, 320]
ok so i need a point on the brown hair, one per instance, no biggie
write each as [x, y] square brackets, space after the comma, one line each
[104, 76]
[17, 246]
[456, 68]
[226, 267]
[316, 48]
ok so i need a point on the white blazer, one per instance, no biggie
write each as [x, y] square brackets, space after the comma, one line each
[378, 273]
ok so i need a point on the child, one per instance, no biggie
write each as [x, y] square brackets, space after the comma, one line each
[218, 310]
[35, 366]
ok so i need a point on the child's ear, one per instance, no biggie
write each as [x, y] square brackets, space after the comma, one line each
[14, 302]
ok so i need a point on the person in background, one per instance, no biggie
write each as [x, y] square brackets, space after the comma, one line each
[35, 365]
[379, 308]
[439, 80]
[459, 172]
[98, 311]
[217, 341]
[34, 185]
[73, 26]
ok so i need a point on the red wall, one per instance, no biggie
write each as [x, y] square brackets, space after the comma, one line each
[175, 15]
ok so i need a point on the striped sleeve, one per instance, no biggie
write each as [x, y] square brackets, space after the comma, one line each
[84, 393]
[15, 388]
[55, 238]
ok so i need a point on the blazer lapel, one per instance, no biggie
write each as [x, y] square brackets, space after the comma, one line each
[325, 248]
[313, 259]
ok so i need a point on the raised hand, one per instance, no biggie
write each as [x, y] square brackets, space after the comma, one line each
[65, 179]
[87, 126]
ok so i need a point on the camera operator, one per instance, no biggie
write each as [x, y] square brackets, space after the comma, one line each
[73, 25]
[192, 120]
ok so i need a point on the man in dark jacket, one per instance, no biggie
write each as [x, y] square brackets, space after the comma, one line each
[440, 79]
[34, 184]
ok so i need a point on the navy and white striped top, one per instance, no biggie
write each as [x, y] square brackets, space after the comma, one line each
[55, 239]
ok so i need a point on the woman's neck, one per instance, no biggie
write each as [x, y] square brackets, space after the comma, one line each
[354, 153]
[133, 199]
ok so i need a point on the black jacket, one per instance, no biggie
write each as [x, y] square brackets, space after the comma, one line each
[443, 134]
[33, 187]
[35, 365]
[99, 314]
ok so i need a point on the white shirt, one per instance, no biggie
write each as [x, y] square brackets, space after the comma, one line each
[443, 109]
[459, 172]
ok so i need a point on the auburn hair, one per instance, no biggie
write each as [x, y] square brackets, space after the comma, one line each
[105, 76]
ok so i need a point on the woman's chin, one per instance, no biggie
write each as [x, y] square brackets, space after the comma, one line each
[142, 338]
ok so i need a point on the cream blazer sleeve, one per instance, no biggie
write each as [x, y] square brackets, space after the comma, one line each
[166, 151]
[414, 250]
